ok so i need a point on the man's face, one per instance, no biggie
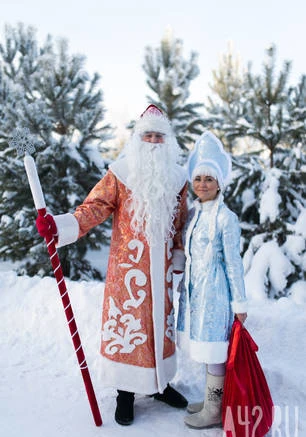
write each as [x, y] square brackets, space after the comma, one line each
[153, 137]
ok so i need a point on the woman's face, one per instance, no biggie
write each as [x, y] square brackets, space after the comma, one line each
[205, 187]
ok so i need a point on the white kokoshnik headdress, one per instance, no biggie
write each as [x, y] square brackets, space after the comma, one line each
[209, 158]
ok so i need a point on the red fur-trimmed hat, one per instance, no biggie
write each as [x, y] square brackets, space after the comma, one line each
[153, 120]
[152, 109]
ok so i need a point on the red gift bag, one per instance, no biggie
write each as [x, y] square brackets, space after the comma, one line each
[247, 406]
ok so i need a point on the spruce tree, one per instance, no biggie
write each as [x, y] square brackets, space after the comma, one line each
[169, 76]
[266, 118]
[225, 106]
[255, 108]
[297, 113]
[268, 195]
[271, 206]
[48, 91]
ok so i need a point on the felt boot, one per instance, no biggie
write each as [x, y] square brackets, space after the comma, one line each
[124, 414]
[210, 414]
[197, 406]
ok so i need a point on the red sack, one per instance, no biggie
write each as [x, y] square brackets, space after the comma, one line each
[247, 406]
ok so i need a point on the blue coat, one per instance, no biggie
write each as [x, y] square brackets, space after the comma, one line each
[214, 282]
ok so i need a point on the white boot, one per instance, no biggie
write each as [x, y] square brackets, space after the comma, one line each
[210, 414]
[197, 406]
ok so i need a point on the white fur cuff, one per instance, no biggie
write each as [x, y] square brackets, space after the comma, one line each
[239, 307]
[67, 228]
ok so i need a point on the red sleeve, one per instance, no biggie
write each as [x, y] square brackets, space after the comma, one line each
[98, 205]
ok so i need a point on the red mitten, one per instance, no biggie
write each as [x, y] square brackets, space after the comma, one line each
[46, 225]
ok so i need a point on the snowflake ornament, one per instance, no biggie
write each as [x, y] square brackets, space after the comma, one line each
[21, 141]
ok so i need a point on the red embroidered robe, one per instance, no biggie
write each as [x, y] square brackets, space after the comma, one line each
[138, 330]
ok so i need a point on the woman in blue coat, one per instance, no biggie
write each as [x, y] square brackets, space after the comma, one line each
[214, 286]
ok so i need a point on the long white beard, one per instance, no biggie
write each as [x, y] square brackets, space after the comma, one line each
[153, 181]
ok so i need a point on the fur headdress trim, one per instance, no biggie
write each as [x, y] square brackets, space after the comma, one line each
[153, 120]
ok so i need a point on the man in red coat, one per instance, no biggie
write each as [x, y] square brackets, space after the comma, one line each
[145, 190]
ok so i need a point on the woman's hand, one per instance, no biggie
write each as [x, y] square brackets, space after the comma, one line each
[241, 317]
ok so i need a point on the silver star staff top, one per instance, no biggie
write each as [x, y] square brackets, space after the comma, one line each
[21, 140]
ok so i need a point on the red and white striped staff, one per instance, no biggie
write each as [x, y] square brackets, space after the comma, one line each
[21, 140]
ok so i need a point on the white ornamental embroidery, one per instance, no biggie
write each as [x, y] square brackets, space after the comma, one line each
[140, 279]
[136, 244]
[123, 330]
[170, 331]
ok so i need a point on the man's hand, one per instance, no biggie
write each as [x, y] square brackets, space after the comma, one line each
[46, 226]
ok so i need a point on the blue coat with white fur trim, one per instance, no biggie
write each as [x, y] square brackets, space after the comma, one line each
[214, 290]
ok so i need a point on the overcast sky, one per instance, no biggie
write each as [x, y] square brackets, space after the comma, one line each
[113, 34]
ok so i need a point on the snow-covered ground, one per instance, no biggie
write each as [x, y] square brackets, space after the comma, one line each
[41, 388]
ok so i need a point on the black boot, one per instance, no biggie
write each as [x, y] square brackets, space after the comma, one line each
[124, 414]
[171, 397]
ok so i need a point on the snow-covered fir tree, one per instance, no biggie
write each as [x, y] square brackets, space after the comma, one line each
[225, 106]
[268, 189]
[169, 76]
[297, 112]
[266, 117]
[271, 205]
[47, 90]
[262, 107]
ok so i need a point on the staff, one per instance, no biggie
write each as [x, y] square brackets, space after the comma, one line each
[21, 140]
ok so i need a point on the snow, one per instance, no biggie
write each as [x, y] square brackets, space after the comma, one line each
[94, 155]
[300, 226]
[268, 264]
[294, 247]
[42, 392]
[248, 199]
[298, 292]
[270, 199]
